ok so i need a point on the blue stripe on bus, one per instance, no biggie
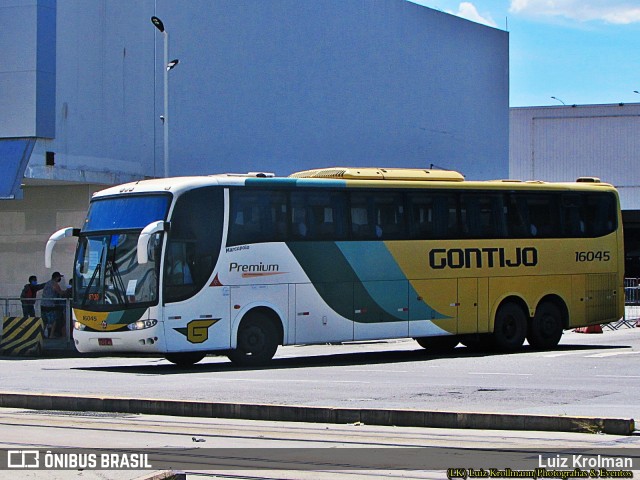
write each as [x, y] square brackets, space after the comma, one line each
[374, 265]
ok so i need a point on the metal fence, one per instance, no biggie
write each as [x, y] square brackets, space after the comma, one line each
[12, 307]
[631, 304]
[632, 292]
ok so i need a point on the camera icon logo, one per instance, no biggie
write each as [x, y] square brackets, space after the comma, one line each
[23, 459]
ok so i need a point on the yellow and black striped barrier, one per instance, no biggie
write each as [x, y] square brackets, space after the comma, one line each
[22, 335]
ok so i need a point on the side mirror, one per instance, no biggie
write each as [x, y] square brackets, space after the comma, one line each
[53, 239]
[145, 237]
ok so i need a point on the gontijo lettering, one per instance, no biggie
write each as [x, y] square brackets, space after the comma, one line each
[491, 257]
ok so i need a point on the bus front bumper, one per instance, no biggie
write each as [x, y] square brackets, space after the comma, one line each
[138, 341]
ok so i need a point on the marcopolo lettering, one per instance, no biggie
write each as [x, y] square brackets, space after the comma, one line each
[491, 257]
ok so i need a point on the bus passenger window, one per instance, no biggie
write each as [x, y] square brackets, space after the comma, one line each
[573, 215]
[517, 216]
[483, 215]
[377, 216]
[318, 215]
[389, 216]
[542, 210]
[298, 223]
[179, 271]
[257, 216]
[601, 214]
[193, 244]
[360, 228]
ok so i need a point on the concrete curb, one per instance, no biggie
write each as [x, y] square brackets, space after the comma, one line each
[292, 413]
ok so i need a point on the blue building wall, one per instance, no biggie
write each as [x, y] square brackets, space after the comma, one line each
[27, 69]
[279, 86]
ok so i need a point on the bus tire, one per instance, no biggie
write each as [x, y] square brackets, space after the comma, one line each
[510, 328]
[440, 344]
[546, 326]
[257, 341]
[185, 359]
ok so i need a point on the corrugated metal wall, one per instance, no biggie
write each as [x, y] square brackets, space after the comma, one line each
[564, 143]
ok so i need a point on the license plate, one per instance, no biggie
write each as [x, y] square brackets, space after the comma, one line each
[105, 342]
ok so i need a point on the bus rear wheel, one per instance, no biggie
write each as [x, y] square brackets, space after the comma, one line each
[545, 329]
[510, 328]
[185, 359]
[441, 344]
[257, 342]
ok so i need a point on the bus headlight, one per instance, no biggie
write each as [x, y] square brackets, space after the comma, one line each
[142, 324]
[79, 326]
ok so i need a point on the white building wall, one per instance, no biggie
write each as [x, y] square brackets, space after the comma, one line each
[562, 143]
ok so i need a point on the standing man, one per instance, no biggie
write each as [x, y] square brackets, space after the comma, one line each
[28, 296]
[50, 306]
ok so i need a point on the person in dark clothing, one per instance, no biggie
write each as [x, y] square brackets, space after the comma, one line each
[51, 307]
[28, 296]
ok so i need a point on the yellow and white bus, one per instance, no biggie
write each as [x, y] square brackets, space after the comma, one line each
[240, 264]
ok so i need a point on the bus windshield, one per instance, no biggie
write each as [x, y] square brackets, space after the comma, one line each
[107, 275]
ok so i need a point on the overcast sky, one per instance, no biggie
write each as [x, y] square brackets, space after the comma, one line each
[580, 51]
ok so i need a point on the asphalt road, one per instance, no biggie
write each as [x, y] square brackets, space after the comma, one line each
[587, 375]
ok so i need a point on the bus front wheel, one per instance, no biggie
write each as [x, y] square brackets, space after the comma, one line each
[441, 344]
[257, 342]
[510, 328]
[185, 359]
[546, 327]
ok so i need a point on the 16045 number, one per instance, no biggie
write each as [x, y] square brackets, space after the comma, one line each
[599, 256]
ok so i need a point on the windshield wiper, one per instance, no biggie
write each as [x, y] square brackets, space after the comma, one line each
[87, 291]
[118, 283]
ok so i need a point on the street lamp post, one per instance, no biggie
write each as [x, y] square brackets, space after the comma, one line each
[167, 66]
[556, 98]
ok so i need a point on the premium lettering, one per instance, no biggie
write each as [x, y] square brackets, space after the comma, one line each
[440, 258]
[256, 267]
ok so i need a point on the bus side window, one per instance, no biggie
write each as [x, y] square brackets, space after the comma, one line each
[573, 215]
[453, 221]
[193, 245]
[298, 222]
[389, 216]
[543, 213]
[600, 214]
[178, 271]
[483, 215]
[421, 216]
[360, 228]
[445, 216]
[377, 216]
[517, 215]
[257, 216]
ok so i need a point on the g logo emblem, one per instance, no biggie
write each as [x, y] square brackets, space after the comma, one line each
[197, 331]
